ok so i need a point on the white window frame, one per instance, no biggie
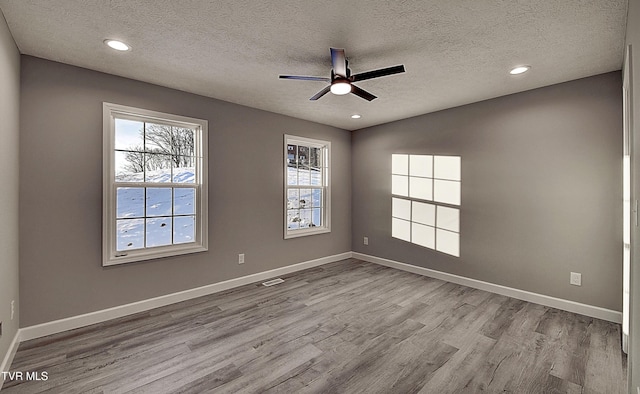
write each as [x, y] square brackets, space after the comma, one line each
[109, 239]
[326, 187]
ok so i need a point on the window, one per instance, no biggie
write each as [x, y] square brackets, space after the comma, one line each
[155, 185]
[307, 194]
[426, 194]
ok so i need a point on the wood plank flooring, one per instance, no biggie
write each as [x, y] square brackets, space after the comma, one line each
[345, 327]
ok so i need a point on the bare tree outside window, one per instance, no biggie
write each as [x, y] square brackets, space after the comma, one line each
[164, 145]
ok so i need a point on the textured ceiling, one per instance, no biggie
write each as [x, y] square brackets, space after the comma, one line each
[455, 52]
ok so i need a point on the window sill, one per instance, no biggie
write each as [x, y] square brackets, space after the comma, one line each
[304, 233]
[150, 254]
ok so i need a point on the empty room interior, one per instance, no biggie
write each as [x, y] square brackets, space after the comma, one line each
[319, 197]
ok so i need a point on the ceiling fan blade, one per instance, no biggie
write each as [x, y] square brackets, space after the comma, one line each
[303, 78]
[377, 73]
[339, 62]
[362, 93]
[320, 93]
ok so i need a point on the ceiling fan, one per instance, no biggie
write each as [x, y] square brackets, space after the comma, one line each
[341, 79]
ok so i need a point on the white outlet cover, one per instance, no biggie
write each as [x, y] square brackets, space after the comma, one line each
[576, 279]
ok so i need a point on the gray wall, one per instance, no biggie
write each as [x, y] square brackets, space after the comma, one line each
[61, 193]
[9, 114]
[633, 39]
[541, 189]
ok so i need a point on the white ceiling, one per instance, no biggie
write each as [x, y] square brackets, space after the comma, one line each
[455, 51]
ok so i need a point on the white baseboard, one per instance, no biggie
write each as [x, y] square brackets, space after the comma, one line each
[87, 319]
[558, 303]
[8, 358]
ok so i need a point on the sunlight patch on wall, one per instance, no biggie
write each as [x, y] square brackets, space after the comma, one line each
[426, 194]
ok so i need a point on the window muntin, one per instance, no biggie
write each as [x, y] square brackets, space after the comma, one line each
[155, 193]
[307, 186]
[426, 194]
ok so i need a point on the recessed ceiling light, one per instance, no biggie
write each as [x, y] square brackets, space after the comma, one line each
[117, 45]
[356, 116]
[519, 70]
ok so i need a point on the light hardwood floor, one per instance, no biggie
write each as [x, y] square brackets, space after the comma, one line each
[345, 327]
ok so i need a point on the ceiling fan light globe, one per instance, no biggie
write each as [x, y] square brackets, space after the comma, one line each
[340, 88]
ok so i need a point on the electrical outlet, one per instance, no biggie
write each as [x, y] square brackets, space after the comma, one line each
[576, 279]
[241, 258]
[13, 308]
[366, 240]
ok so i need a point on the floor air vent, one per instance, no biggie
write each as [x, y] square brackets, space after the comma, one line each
[273, 282]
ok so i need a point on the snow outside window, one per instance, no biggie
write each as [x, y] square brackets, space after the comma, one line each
[155, 190]
[425, 201]
[307, 192]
